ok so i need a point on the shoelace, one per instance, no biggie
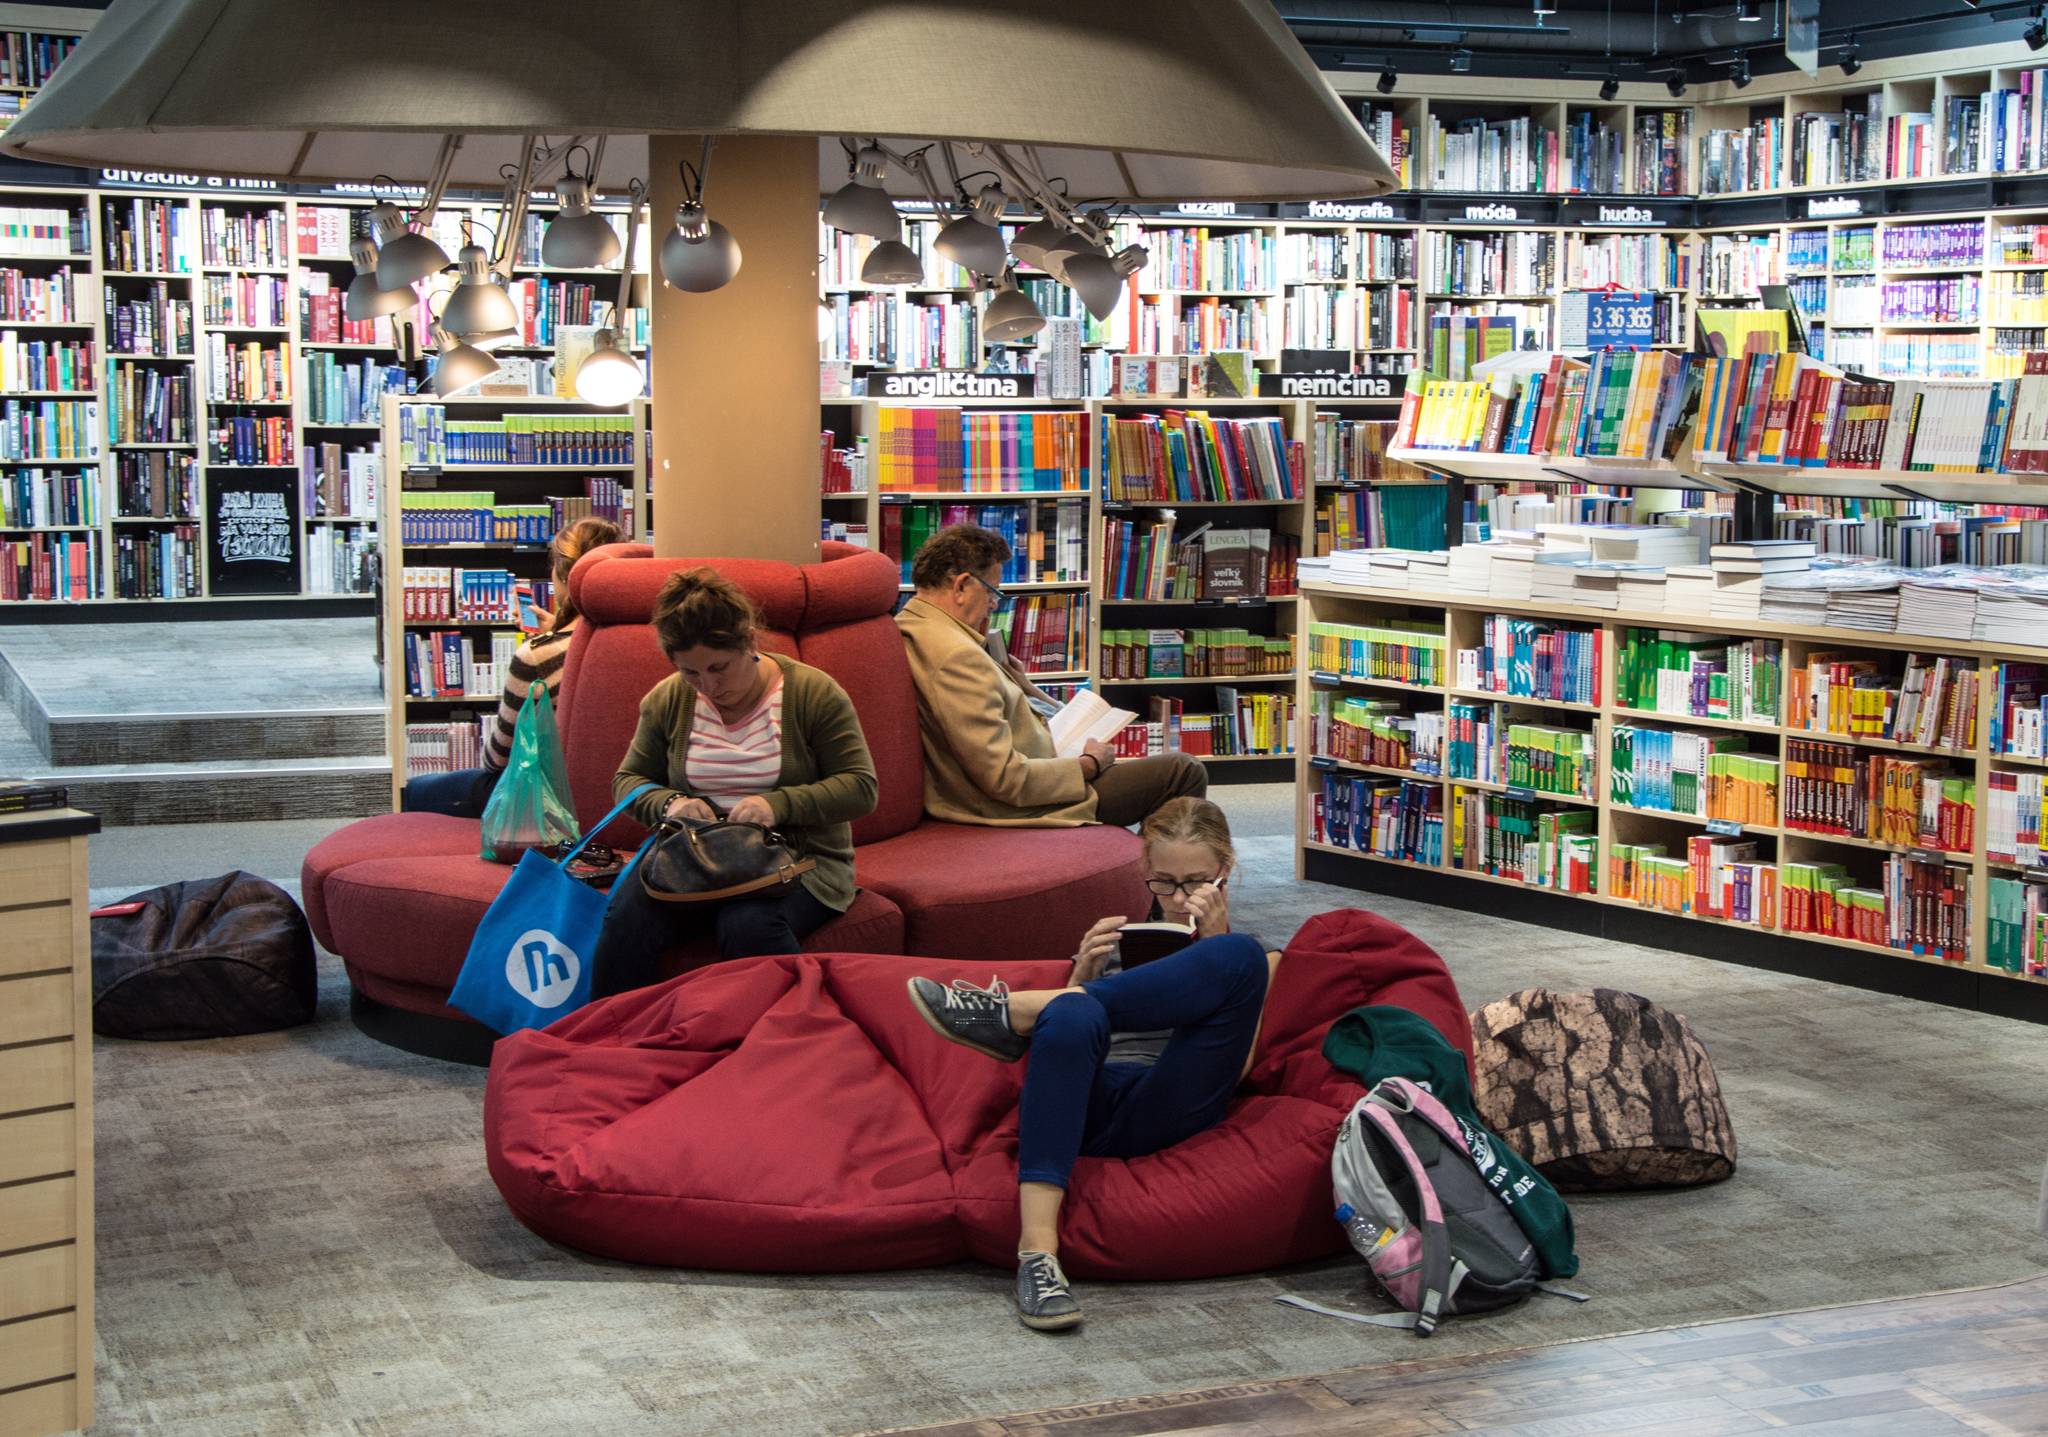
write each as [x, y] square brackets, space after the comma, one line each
[963, 994]
[1046, 1278]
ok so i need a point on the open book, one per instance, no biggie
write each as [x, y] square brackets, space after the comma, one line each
[1084, 716]
[1142, 942]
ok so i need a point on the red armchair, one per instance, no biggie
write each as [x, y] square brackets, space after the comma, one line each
[398, 896]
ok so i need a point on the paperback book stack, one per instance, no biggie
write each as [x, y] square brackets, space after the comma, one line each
[1742, 569]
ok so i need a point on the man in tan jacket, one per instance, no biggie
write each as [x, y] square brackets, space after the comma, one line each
[988, 757]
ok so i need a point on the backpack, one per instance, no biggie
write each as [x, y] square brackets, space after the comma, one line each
[1417, 1207]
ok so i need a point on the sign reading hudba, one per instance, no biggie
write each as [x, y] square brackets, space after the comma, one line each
[951, 384]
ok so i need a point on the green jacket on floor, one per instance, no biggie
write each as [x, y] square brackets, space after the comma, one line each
[1381, 1041]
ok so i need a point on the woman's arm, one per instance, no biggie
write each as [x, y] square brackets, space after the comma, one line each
[520, 676]
[646, 759]
[845, 788]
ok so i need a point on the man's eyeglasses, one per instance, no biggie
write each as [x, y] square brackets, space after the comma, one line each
[993, 592]
[1167, 887]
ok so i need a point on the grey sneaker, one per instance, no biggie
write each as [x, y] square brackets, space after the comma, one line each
[1044, 1302]
[978, 1018]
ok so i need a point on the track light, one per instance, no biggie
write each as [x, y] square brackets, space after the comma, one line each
[1748, 12]
[403, 257]
[1675, 83]
[608, 375]
[973, 241]
[1099, 278]
[1461, 61]
[1611, 86]
[699, 254]
[892, 262]
[861, 206]
[2036, 33]
[1029, 244]
[1543, 7]
[1851, 61]
[576, 238]
[1010, 313]
[1387, 78]
[1738, 70]
[365, 299]
[479, 312]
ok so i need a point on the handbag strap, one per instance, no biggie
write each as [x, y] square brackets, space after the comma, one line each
[600, 826]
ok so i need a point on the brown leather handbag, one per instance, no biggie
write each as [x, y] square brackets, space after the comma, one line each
[698, 860]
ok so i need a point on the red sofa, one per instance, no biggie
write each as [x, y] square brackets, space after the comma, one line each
[398, 896]
[795, 1114]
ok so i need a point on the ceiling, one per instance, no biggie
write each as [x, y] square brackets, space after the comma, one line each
[1632, 39]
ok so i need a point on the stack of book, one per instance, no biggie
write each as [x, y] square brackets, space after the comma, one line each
[1742, 569]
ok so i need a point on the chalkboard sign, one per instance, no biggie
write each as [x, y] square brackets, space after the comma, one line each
[252, 533]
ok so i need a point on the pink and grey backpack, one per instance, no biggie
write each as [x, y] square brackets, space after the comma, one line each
[1414, 1198]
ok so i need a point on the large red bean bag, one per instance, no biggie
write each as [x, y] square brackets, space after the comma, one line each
[795, 1114]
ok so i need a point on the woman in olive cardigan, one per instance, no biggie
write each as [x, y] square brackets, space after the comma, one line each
[748, 736]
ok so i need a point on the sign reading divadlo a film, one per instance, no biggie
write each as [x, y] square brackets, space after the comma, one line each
[252, 532]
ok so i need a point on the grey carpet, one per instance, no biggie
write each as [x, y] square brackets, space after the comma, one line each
[297, 1233]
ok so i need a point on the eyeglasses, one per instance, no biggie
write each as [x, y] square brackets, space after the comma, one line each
[993, 592]
[1167, 887]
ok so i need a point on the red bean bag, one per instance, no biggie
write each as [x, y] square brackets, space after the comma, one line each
[794, 1114]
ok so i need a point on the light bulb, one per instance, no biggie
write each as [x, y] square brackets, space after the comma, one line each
[608, 375]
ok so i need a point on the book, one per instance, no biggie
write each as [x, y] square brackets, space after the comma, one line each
[1143, 942]
[1084, 716]
[27, 795]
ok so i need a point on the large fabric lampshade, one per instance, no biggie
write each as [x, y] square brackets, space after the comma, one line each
[1140, 100]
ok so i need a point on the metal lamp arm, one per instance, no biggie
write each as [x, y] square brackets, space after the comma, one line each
[637, 191]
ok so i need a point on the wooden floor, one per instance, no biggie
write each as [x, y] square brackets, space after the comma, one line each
[1970, 1362]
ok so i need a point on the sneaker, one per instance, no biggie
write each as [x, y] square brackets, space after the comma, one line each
[1044, 1302]
[978, 1018]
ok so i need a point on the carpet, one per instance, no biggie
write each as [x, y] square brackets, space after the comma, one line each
[297, 1234]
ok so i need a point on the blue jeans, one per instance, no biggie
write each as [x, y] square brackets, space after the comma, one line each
[639, 931]
[461, 794]
[1210, 994]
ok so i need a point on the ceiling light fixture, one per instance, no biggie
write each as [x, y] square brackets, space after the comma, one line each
[974, 241]
[404, 255]
[1738, 70]
[456, 365]
[1029, 244]
[1611, 86]
[478, 311]
[1388, 76]
[1098, 278]
[2036, 33]
[1461, 61]
[1543, 7]
[1748, 12]
[609, 375]
[892, 262]
[699, 254]
[1010, 314]
[861, 206]
[576, 238]
[367, 300]
[1675, 83]
[1851, 59]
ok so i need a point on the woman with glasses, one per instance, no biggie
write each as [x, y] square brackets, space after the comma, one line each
[1124, 1062]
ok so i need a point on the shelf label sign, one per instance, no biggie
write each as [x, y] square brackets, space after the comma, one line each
[160, 179]
[1350, 211]
[1833, 207]
[1607, 319]
[1326, 386]
[1505, 214]
[1628, 215]
[951, 384]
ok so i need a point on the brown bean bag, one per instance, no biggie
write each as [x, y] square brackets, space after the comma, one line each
[1601, 1090]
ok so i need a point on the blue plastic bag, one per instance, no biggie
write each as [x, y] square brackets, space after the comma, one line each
[529, 962]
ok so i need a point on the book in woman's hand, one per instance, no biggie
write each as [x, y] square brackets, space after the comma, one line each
[1142, 942]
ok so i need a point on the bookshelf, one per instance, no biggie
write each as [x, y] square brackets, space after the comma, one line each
[485, 628]
[229, 294]
[1447, 623]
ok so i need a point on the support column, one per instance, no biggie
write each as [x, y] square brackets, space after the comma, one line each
[735, 408]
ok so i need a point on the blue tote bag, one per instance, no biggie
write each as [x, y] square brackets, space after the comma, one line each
[529, 963]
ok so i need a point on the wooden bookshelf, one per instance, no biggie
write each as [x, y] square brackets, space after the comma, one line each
[511, 484]
[1457, 618]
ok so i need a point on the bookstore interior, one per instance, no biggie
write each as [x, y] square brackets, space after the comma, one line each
[1573, 481]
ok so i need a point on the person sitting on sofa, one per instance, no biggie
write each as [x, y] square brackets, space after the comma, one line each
[1124, 1061]
[539, 660]
[988, 756]
[738, 734]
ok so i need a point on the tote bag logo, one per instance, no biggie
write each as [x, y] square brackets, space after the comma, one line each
[541, 968]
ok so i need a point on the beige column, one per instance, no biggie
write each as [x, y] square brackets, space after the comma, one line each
[735, 408]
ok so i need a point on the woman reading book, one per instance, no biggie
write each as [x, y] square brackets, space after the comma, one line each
[539, 660]
[1129, 1057]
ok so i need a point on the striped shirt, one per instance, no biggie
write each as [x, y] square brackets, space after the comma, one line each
[729, 761]
[538, 660]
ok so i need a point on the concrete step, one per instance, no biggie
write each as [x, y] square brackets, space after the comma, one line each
[221, 791]
[74, 739]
